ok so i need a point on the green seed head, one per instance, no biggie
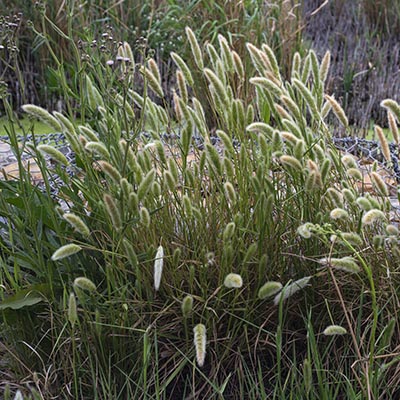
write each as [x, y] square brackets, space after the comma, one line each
[349, 161]
[43, 115]
[393, 106]
[98, 148]
[182, 86]
[219, 87]
[307, 96]
[349, 195]
[169, 180]
[54, 153]
[110, 171]
[291, 162]
[187, 306]
[355, 173]
[133, 202]
[379, 184]
[144, 217]
[296, 65]
[89, 133]
[339, 213]
[352, 238]
[128, 53]
[72, 309]
[325, 64]
[194, 45]
[272, 60]
[152, 81]
[378, 241]
[85, 284]
[77, 223]
[392, 230]
[338, 111]
[187, 206]
[183, 67]
[113, 211]
[230, 192]
[227, 55]
[372, 216]
[94, 97]
[393, 127]
[65, 251]
[383, 142]
[347, 264]
[364, 203]
[261, 127]
[233, 281]
[269, 289]
[126, 187]
[229, 232]
[304, 231]
[154, 69]
[333, 330]
[146, 184]
[200, 340]
[130, 253]
[238, 65]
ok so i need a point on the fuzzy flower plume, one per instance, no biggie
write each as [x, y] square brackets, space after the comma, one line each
[233, 281]
[200, 339]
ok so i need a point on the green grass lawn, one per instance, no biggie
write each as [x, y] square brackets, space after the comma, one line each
[25, 125]
[370, 134]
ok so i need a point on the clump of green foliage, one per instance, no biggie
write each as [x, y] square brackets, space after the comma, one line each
[175, 268]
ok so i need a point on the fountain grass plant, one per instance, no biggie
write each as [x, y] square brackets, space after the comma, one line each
[160, 268]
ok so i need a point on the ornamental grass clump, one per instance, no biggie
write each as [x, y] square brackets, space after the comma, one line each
[239, 181]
